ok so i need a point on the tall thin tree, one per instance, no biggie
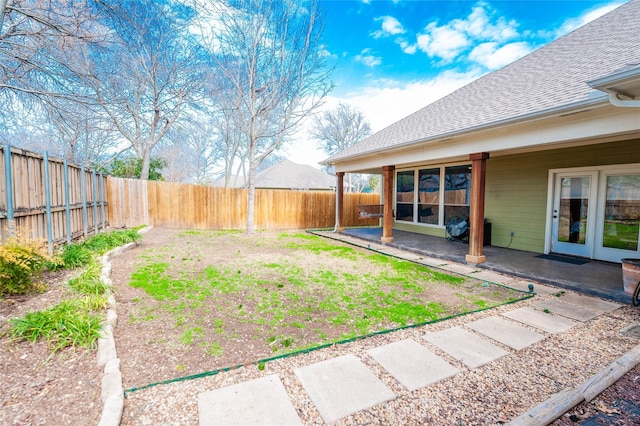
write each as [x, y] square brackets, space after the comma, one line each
[270, 53]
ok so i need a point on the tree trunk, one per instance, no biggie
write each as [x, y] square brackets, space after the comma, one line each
[146, 160]
[251, 190]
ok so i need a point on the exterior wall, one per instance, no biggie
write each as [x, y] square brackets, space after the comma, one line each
[516, 188]
[418, 229]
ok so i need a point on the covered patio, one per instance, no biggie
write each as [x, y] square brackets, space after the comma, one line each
[592, 277]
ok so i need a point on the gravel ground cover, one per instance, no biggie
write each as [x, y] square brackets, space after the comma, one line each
[492, 394]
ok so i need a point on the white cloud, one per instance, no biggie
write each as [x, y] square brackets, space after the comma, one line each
[443, 41]
[368, 58]
[574, 23]
[478, 25]
[482, 29]
[390, 27]
[407, 47]
[494, 57]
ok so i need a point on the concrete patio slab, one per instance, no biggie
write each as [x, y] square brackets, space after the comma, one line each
[506, 332]
[256, 402]
[412, 364]
[571, 311]
[540, 320]
[464, 346]
[342, 386]
[590, 303]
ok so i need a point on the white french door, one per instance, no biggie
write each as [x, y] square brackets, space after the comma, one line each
[574, 213]
[596, 212]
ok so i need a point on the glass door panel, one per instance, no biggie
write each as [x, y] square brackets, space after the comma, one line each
[574, 208]
[618, 231]
[573, 214]
[622, 212]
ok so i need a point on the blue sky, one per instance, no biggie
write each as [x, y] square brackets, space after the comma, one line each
[393, 57]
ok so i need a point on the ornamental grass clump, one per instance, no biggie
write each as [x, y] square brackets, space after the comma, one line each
[22, 261]
[75, 321]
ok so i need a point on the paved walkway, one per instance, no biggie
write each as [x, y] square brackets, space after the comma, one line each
[344, 385]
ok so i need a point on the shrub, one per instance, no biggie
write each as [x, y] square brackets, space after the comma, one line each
[22, 259]
[70, 323]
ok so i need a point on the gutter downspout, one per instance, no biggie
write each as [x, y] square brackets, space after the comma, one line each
[629, 103]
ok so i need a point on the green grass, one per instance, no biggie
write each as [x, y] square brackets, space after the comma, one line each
[285, 302]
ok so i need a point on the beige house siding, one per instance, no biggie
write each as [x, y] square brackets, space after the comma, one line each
[516, 196]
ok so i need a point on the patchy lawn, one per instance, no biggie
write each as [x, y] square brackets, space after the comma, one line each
[195, 301]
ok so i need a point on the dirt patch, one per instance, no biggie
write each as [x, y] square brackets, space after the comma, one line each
[219, 299]
[38, 388]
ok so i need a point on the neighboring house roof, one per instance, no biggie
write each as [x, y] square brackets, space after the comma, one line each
[550, 79]
[289, 175]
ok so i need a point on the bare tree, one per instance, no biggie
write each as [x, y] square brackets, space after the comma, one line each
[269, 51]
[196, 150]
[338, 129]
[34, 36]
[148, 74]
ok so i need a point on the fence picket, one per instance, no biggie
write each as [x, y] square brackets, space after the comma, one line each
[176, 205]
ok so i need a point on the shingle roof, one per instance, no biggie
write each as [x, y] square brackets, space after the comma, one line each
[289, 175]
[549, 78]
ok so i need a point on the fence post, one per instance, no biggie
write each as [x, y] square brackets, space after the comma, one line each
[95, 202]
[67, 206]
[9, 182]
[104, 220]
[84, 201]
[47, 197]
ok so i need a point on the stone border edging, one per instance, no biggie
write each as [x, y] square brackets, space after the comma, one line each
[563, 401]
[112, 393]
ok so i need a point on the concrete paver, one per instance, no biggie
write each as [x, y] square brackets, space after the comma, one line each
[540, 320]
[433, 261]
[591, 303]
[342, 386]
[465, 346]
[412, 364]
[461, 269]
[571, 311]
[506, 332]
[493, 277]
[539, 289]
[255, 402]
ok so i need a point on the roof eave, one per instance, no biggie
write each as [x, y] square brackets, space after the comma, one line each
[590, 103]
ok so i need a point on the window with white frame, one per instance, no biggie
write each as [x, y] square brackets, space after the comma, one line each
[419, 194]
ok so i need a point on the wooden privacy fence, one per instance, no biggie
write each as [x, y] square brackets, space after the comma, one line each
[174, 205]
[49, 198]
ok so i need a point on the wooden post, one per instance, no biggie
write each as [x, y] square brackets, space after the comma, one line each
[387, 214]
[340, 202]
[476, 225]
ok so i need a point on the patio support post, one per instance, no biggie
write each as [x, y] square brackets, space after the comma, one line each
[476, 225]
[340, 202]
[387, 213]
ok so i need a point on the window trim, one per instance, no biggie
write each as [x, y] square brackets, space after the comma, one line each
[416, 191]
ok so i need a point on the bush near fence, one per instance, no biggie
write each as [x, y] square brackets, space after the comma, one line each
[135, 202]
